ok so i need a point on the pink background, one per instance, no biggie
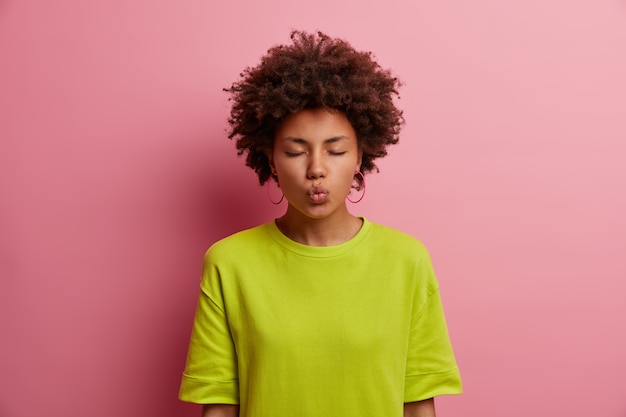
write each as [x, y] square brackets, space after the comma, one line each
[116, 175]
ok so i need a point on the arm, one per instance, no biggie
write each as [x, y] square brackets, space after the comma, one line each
[424, 408]
[220, 410]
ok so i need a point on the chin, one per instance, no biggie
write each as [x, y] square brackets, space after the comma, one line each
[320, 213]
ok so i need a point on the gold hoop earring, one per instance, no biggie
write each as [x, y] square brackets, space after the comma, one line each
[269, 197]
[363, 183]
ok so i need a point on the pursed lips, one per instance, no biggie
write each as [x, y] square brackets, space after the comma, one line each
[318, 193]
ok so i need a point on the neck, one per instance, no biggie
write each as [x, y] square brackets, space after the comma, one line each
[328, 231]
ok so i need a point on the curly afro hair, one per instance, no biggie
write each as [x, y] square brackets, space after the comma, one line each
[314, 71]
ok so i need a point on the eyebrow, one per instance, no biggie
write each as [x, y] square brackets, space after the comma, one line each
[304, 141]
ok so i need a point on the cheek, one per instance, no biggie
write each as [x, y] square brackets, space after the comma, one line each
[348, 175]
[286, 172]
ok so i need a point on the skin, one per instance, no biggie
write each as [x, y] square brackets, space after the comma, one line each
[424, 408]
[315, 156]
[220, 410]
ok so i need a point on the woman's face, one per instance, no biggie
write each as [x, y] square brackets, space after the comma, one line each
[315, 156]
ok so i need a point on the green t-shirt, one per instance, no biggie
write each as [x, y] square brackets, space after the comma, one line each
[290, 330]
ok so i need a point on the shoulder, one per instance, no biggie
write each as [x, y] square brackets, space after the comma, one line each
[397, 241]
[400, 254]
[238, 244]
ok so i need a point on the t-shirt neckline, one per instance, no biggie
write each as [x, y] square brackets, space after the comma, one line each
[318, 251]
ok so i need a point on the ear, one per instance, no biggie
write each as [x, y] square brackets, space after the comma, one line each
[359, 160]
[270, 158]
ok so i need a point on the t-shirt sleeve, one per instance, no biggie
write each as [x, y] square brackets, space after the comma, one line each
[210, 376]
[431, 368]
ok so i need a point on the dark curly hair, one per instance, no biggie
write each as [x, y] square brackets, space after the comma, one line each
[313, 71]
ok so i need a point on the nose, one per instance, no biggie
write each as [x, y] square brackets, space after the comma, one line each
[316, 168]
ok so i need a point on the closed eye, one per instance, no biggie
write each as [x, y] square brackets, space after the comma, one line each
[292, 154]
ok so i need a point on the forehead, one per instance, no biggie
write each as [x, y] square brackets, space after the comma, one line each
[315, 124]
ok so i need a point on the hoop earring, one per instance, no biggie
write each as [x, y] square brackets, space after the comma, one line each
[269, 197]
[362, 195]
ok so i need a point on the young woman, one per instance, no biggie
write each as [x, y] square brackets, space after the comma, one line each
[318, 313]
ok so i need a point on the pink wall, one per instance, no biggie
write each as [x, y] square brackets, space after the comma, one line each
[116, 175]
